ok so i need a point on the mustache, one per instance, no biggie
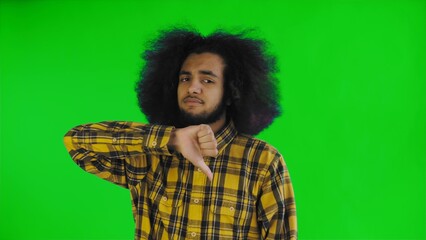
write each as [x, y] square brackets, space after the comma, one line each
[191, 97]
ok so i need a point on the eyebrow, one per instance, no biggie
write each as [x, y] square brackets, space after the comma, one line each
[205, 72]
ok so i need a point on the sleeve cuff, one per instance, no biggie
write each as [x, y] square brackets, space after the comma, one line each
[156, 139]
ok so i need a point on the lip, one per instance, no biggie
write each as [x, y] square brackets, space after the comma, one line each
[192, 100]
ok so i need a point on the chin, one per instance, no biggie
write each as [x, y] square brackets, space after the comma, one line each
[193, 112]
[195, 115]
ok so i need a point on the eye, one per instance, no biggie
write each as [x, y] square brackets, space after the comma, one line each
[184, 79]
[207, 81]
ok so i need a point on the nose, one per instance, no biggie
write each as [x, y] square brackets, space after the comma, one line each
[194, 87]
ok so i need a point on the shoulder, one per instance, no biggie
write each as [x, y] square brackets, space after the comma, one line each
[258, 150]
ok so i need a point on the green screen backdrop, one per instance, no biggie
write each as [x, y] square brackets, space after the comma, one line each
[353, 92]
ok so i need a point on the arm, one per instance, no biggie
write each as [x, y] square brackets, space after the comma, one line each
[104, 148]
[277, 209]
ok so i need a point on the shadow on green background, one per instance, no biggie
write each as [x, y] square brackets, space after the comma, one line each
[353, 87]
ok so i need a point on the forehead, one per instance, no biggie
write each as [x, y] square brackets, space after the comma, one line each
[204, 61]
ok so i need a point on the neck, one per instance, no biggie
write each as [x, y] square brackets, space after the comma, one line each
[216, 126]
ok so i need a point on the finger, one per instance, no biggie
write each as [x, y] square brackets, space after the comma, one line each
[206, 170]
[208, 145]
[207, 138]
[204, 130]
[209, 152]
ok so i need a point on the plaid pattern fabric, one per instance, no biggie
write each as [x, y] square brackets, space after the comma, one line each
[250, 197]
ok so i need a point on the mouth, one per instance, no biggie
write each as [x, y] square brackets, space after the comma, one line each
[192, 100]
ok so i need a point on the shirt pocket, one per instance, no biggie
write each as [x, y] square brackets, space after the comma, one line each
[232, 212]
[167, 204]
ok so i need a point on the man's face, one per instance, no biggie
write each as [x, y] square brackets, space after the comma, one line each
[201, 89]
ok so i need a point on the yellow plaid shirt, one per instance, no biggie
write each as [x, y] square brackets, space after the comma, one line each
[250, 197]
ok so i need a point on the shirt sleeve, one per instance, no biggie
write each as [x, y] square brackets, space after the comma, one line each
[105, 148]
[277, 208]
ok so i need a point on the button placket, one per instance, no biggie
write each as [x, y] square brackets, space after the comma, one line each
[199, 175]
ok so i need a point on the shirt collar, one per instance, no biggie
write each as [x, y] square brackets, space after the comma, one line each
[225, 135]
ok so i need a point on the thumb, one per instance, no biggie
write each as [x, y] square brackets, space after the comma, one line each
[205, 169]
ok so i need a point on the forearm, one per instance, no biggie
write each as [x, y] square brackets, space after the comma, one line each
[282, 225]
[103, 148]
[277, 208]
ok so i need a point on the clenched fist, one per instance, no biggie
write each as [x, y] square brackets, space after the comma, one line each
[195, 142]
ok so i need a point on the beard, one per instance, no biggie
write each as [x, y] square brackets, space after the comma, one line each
[188, 119]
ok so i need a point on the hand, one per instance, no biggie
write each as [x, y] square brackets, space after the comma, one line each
[195, 142]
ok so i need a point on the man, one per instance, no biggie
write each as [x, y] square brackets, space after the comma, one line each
[195, 172]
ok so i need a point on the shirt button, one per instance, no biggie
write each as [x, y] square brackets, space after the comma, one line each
[193, 234]
[164, 199]
[231, 209]
[196, 201]
[154, 143]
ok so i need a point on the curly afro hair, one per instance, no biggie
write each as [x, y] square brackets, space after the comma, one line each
[249, 75]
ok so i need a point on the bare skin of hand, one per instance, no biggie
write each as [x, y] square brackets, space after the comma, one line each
[194, 143]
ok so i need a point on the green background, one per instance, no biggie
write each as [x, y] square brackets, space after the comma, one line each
[353, 85]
